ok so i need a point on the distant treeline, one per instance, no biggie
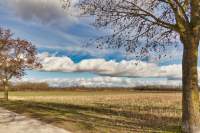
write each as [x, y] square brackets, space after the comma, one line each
[28, 86]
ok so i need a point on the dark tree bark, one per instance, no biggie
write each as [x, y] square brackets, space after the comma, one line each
[190, 98]
[6, 89]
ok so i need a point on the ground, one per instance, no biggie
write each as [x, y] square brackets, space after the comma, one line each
[101, 111]
[11, 122]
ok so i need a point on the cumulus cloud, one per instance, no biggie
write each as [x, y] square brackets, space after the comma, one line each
[53, 63]
[104, 82]
[111, 68]
[43, 11]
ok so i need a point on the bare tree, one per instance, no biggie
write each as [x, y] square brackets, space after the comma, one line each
[16, 56]
[142, 26]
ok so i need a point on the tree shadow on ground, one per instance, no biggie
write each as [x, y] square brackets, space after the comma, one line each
[87, 118]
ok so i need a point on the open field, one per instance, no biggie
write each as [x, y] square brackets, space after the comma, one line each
[101, 111]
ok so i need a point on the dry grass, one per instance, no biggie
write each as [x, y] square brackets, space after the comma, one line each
[102, 111]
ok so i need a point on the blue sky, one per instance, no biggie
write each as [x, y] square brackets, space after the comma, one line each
[60, 35]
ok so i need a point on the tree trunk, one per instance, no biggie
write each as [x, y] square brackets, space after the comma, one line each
[6, 91]
[190, 97]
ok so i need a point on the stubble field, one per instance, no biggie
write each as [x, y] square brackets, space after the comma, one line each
[102, 111]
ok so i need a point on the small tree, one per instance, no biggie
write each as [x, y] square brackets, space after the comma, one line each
[16, 56]
[142, 26]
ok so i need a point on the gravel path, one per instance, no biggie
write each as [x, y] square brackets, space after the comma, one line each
[11, 122]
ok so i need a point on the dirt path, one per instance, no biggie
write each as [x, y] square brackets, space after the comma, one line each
[11, 122]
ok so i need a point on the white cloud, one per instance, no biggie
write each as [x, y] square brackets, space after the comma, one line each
[104, 82]
[52, 63]
[112, 68]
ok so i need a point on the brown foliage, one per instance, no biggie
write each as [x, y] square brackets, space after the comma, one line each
[16, 55]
